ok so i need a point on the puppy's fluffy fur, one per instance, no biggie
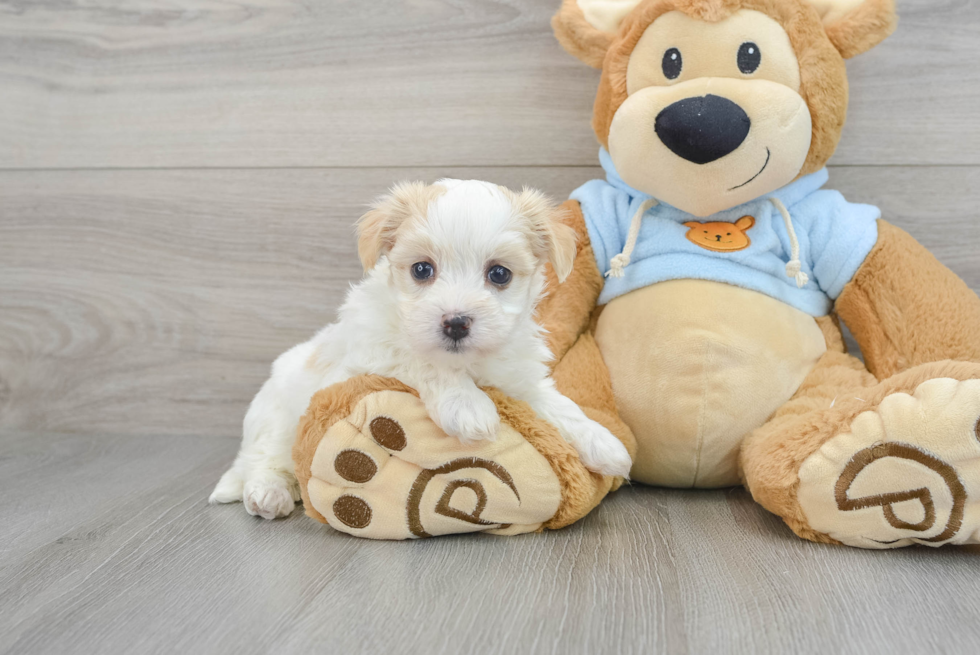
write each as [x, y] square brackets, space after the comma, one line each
[394, 324]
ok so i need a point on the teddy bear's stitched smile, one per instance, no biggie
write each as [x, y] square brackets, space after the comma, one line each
[768, 157]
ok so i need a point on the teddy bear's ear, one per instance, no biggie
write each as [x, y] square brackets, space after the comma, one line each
[692, 224]
[856, 26]
[585, 28]
[745, 223]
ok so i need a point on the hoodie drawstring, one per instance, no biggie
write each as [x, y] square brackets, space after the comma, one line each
[793, 267]
[622, 260]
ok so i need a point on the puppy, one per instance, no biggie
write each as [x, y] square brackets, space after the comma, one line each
[454, 272]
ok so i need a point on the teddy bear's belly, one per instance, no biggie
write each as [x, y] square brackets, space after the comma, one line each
[695, 367]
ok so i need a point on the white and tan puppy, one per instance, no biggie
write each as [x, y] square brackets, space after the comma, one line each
[454, 272]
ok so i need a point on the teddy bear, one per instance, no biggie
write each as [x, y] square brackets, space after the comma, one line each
[701, 320]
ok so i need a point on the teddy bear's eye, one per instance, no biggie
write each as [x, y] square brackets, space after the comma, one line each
[749, 58]
[672, 64]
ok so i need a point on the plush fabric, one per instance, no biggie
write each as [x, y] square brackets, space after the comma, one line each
[566, 309]
[370, 462]
[709, 363]
[835, 236]
[823, 78]
[578, 36]
[862, 27]
[835, 394]
[725, 358]
[906, 308]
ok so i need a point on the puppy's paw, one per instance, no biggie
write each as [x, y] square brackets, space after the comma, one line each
[468, 416]
[269, 496]
[229, 488]
[599, 450]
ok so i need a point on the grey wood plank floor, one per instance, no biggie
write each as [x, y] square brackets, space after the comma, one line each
[177, 186]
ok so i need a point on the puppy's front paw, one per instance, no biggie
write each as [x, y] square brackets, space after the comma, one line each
[469, 416]
[599, 450]
[269, 496]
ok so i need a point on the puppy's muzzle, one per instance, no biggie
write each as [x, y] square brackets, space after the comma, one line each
[704, 129]
[456, 328]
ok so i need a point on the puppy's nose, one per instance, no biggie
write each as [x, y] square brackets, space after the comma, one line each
[702, 130]
[456, 327]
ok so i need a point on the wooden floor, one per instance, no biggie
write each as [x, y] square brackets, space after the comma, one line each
[177, 185]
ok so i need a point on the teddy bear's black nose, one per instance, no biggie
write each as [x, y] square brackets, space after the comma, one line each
[702, 129]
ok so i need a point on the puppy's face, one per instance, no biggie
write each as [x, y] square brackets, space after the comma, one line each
[466, 260]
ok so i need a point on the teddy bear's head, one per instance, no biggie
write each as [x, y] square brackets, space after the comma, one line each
[708, 104]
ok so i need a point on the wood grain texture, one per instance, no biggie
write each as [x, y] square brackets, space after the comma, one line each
[154, 569]
[140, 311]
[258, 83]
[153, 302]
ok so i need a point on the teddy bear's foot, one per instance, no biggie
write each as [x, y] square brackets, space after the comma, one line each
[384, 470]
[907, 472]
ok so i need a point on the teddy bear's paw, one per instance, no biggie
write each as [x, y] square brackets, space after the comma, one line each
[906, 473]
[387, 471]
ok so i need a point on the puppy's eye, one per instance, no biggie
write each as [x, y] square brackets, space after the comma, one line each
[498, 275]
[749, 58]
[422, 271]
[672, 64]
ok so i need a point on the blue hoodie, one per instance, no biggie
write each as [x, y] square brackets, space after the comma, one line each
[835, 237]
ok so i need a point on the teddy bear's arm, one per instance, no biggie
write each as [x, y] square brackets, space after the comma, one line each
[905, 308]
[567, 309]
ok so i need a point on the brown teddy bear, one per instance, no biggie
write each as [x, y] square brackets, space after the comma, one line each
[700, 322]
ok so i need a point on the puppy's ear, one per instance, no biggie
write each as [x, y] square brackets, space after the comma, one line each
[377, 228]
[551, 238]
[585, 28]
[856, 26]
[562, 250]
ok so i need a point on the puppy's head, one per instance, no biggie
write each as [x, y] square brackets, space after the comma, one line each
[466, 260]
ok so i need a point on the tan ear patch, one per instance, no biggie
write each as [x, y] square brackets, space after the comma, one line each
[377, 228]
[551, 238]
[745, 223]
